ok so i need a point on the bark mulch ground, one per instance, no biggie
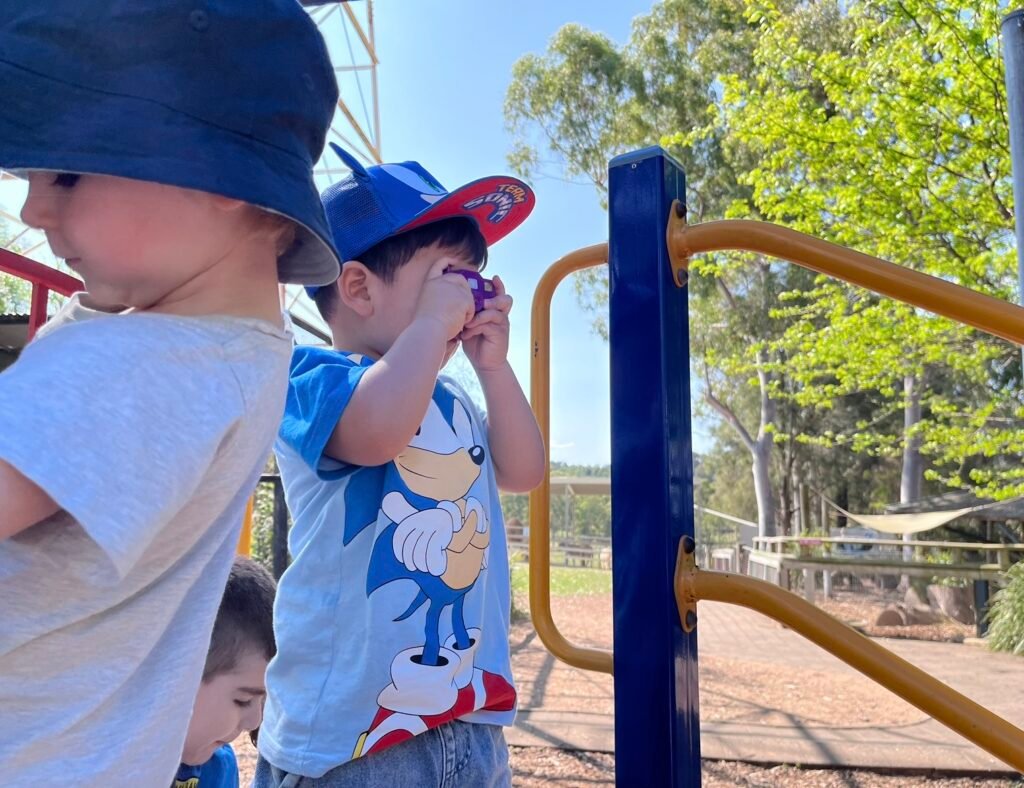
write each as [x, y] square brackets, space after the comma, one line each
[731, 690]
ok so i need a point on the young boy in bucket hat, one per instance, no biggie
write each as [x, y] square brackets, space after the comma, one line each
[168, 147]
[392, 621]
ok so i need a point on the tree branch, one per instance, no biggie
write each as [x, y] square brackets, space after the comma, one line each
[726, 412]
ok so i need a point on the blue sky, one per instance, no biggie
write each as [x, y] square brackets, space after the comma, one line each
[444, 69]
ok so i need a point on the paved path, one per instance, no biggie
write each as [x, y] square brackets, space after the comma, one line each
[565, 707]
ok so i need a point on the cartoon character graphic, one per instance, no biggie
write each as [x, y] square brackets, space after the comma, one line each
[438, 537]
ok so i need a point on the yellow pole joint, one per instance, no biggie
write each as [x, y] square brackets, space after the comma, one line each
[680, 263]
[686, 585]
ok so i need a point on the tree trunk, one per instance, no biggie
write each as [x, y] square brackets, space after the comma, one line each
[912, 476]
[760, 447]
[785, 518]
[763, 453]
[763, 488]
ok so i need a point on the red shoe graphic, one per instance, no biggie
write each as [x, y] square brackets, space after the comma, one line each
[485, 692]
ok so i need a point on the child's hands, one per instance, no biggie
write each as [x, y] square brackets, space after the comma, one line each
[485, 337]
[445, 298]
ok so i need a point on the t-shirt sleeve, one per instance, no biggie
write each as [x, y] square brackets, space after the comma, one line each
[118, 424]
[320, 386]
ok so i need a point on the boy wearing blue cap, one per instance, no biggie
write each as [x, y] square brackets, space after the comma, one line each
[168, 147]
[392, 621]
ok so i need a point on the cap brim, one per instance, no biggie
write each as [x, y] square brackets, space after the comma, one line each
[498, 204]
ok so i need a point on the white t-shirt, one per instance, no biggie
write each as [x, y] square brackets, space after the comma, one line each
[150, 432]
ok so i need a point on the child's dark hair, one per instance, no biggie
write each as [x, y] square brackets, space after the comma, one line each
[245, 620]
[458, 234]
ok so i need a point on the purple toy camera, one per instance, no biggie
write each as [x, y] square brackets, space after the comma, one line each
[482, 287]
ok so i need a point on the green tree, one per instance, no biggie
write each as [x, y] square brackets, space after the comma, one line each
[890, 137]
[879, 125]
[15, 293]
[586, 100]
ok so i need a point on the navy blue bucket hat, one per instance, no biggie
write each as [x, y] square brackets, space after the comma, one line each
[231, 97]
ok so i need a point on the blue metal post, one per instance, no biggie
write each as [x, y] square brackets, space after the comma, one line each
[1013, 54]
[657, 724]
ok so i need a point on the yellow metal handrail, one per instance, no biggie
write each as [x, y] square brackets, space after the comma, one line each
[991, 315]
[1002, 319]
[954, 710]
[540, 498]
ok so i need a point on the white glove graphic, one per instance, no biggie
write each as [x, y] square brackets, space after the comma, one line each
[422, 537]
[473, 505]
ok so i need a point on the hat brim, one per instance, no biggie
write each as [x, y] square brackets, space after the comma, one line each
[47, 124]
[498, 204]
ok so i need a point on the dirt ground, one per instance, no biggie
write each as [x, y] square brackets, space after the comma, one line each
[535, 767]
[730, 691]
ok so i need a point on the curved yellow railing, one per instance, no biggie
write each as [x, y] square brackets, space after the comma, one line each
[991, 315]
[957, 712]
[988, 314]
[540, 498]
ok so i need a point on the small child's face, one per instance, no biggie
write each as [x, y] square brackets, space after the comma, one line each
[227, 705]
[134, 243]
[396, 302]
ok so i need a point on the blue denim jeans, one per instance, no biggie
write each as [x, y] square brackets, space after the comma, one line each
[450, 756]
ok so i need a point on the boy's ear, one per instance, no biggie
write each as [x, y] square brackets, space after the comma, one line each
[355, 287]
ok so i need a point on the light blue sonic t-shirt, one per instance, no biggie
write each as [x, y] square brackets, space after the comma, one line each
[393, 616]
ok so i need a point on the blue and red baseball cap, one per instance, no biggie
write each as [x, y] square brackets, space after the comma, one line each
[373, 203]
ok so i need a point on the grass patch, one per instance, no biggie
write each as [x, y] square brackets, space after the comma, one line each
[566, 581]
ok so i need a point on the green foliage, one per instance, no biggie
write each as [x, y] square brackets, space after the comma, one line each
[263, 526]
[15, 295]
[586, 100]
[886, 131]
[1006, 614]
[945, 557]
[566, 581]
[263, 520]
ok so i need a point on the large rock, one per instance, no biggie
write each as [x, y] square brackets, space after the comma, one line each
[957, 603]
[913, 599]
[891, 617]
[899, 615]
